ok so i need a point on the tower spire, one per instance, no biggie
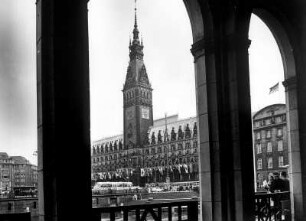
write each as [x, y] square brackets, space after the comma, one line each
[136, 47]
[135, 25]
[135, 31]
[137, 95]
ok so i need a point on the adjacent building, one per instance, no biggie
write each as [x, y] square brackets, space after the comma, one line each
[270, 142]
[16, 171]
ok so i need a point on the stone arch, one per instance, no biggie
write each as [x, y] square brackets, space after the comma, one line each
[278, 26]
[196, 19]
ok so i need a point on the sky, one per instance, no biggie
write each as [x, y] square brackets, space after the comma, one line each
[167, 41]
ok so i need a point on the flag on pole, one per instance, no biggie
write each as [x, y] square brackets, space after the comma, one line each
[274, 88]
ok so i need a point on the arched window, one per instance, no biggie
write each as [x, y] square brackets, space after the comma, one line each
[153, 138]
[187, 132]
[180, 133]
[120, 145]
[110, 146]
[173, 134]
[195, 130]
[115, 146]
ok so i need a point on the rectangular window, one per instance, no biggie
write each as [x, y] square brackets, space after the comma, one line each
[258, 135]
[280, 145]
[173, 147]
[270, 162]
[180, 146]
[269, 147]
[263, 134]
[268, 133]
[259, 164]
[279, 132]
[159, 149]
[280, 161]
[258, 147]
[257, 124]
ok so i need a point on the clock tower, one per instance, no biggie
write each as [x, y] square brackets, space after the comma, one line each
[137, 96]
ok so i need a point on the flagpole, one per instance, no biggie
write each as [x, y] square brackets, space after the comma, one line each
[280, 93]
[167, 160]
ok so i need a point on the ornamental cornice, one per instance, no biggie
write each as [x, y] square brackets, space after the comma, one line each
[290, 83]
[208, 46]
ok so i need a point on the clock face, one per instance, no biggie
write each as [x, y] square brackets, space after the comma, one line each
[145, 113]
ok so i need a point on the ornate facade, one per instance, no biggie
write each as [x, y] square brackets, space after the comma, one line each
[147, 151]
[173, 154]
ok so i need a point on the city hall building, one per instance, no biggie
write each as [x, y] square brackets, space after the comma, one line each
[148, 150]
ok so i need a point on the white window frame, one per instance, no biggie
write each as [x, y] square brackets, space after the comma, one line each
[259, 164]
[280, 145]
[258, 135]
[268, 133]
[280, 161]
[269, 147]
[258, 147]
[270, 162]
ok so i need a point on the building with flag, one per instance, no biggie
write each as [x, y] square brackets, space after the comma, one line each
[148, 150]
[270, 142]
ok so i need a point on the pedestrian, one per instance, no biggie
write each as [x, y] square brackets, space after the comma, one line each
[286, 183]
[276, 184]
[268, 184]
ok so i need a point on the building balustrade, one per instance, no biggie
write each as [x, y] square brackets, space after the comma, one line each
[268, 206]
[182, 210]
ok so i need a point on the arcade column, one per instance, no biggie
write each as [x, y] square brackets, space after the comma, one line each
[64, 165]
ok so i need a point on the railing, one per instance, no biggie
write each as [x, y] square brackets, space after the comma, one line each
[16, 216]
[268, 207]
[183, 210]
[272, 206]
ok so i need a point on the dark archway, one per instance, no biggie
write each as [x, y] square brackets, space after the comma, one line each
[223, 104]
